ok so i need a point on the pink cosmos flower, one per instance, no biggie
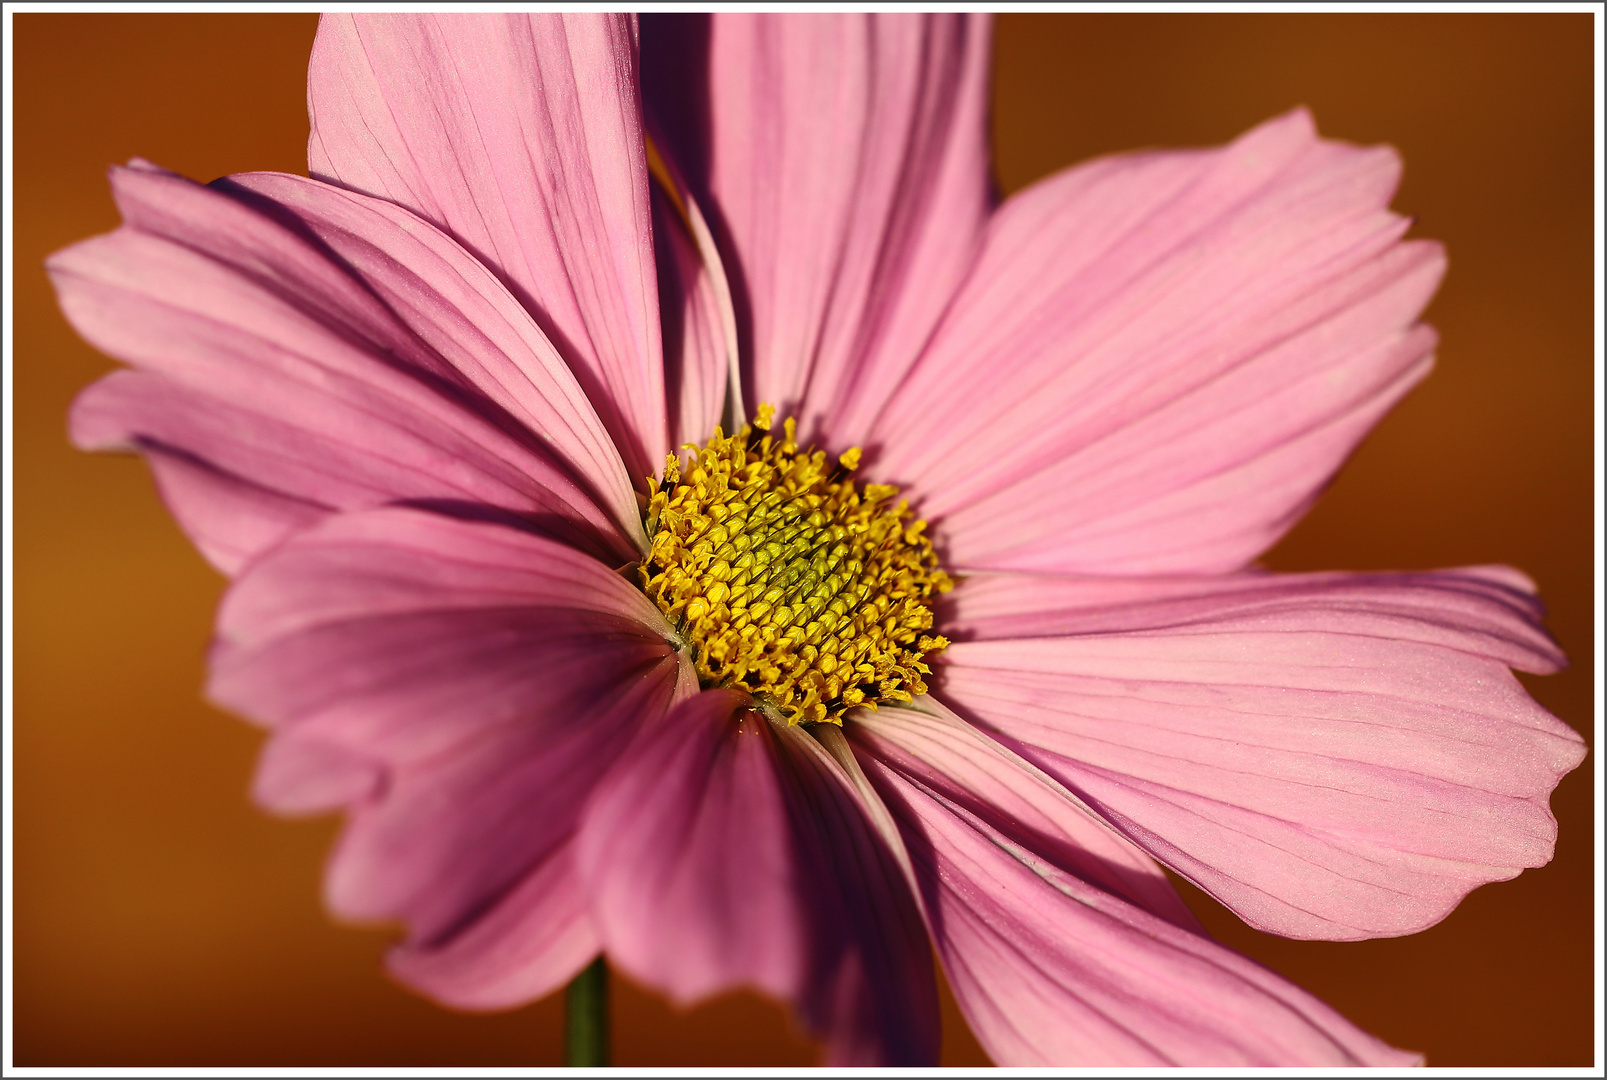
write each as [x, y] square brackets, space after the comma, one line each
[412, 406]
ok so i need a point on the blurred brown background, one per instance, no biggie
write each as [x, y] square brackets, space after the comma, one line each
[161, 920]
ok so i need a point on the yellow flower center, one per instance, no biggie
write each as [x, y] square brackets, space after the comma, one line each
[790, 581]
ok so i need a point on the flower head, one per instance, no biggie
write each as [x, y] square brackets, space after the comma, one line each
[786, 580]
[957, 658]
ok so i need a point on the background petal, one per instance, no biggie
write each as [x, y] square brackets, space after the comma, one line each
[293, 388]
[1330, 756]
[1049, 969]
[723, 852]
[547, 186]
[843, 159]
[1159, 359]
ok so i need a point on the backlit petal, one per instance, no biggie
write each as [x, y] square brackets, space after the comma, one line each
[1330, 756]
[521, 136]
[1051, 970]
[274, 369]
[927, 742]
[1159, 359]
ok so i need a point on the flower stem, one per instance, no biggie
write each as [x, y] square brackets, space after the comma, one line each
[586, 1016]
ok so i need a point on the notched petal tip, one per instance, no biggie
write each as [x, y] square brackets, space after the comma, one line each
[298, 777]
[1204, 337]
[1052, 970]
[1331, 756]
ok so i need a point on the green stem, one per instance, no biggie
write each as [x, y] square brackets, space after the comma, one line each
[586, 1017]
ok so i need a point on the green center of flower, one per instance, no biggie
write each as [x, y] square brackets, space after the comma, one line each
[789, 580]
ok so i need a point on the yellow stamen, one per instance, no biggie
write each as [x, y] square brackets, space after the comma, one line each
[787, 579]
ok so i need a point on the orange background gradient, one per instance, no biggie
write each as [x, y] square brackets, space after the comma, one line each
[161, 920]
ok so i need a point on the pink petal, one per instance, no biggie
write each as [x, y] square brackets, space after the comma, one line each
[534, 940]
[1488, 610]
[1052, 970]
[480, 679]
[1330, 756]
[230, 519]
[722, 852]
[454, 834]
[268, 365]
[927, 742]
[695, 339]
[847, 161]
[547, 185]
[1160, 359]
[709, 310]
[300, 775]
[399, 633]
[463, 313]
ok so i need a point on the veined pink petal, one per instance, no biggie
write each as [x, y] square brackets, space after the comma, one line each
[530, 940]
[723, 852]
[453, 834]
[521, 136]
[464, 684]
[291, 386]
[1330, 756]
[846, 160]
[410, 632]
[463, 313]
[926, 741]
[1051, 970]
[1159, 359]
[1487, 610]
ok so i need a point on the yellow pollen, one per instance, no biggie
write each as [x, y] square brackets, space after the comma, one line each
[787, 579]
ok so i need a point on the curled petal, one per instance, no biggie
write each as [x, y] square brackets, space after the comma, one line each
[845, 159]
[1488, 610]
[696, 312]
